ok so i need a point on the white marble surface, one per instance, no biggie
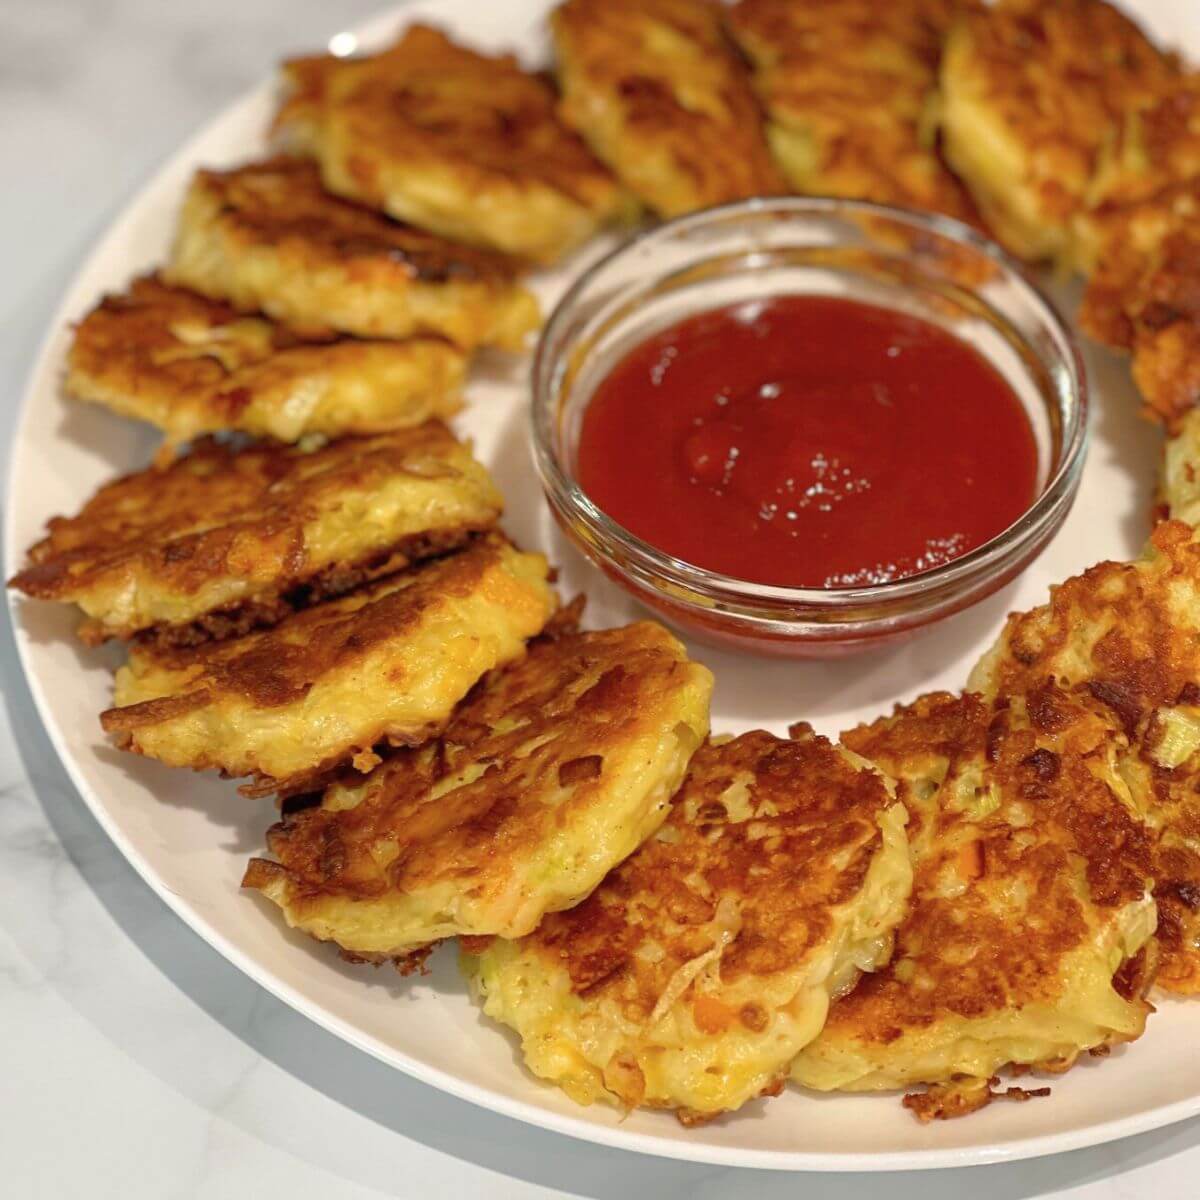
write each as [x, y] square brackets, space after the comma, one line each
[134, 1061]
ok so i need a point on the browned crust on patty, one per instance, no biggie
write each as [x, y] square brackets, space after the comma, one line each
[428, 112]
[267, 236]
[1144, 296]
[192, 365]
[855, 81]
[281, 201]
[278, 668]
[813, 808]
[657, 80]
[334, 581]
[1061, 77]
[1133, 652]
[1126, 635]
[967, 949]
[582, 691]
[224, 511]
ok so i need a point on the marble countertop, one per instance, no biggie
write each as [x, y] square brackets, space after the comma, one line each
[134, 1061]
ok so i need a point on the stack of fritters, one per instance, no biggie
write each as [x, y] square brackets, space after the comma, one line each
[661, 96]
[551, 773]
[460, 143]
[385, 663]
[849, 90]
[1028, 938]
[225, 539]
[193, 366]
[693, 974]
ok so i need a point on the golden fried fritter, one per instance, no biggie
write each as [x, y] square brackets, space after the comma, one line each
[692, 976]
[1035, 94]
[552, 772]
[659, 95]
[848, 86]
[225, 539]
[461, 143]
[1127, 632]
[1128, 635]
[266, 236]
[1029, 936]
[386, 663]
[1145, 294]
[192, 366]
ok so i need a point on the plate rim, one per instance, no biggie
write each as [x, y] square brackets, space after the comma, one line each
[128, 216]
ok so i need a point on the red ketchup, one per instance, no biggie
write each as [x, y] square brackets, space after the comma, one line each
[808, 441]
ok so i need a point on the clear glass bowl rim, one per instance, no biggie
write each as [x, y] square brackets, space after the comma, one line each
[650, 562]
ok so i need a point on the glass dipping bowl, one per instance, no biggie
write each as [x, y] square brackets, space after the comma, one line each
[928, 266]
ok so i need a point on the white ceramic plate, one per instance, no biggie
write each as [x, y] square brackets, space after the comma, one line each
[190, 836]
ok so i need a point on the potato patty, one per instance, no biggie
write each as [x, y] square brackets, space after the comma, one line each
[1142, 296]
[661, 97]
[225, 539]
[1128, 635]
[1034, 95]
[551, 773]
[267, 236]
[848, 87]
[464, 144]
[386, 663]
[1029, 937]
[193, 366]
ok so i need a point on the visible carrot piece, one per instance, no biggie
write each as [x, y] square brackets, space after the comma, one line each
[711, 1016]
[970, 860]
